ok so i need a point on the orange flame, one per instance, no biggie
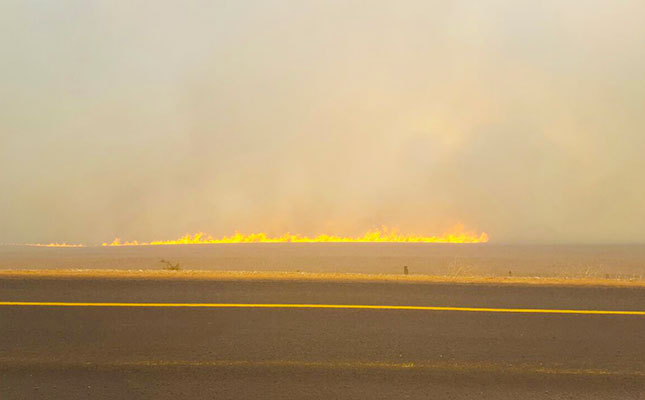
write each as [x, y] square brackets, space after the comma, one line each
[375, 236]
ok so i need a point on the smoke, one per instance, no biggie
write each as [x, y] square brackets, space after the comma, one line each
[147, 121]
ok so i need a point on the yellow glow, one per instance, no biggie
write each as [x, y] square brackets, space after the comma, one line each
[384, 235]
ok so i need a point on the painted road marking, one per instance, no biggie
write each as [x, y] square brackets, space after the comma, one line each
[323, 306]
[447, 366]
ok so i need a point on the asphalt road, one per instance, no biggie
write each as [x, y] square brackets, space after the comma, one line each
[59, 352]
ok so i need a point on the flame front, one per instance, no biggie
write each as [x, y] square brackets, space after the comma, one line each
[458, 235]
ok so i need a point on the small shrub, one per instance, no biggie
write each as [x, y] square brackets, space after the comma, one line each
[170, 266]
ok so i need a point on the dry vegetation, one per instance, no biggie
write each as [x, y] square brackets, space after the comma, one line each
[306, 276]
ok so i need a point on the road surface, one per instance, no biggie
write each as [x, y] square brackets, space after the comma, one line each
[144, 338]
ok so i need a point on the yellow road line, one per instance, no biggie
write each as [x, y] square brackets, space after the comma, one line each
[446, 366]
[323, 306]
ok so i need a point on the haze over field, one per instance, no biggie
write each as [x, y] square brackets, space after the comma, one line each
[147, 121]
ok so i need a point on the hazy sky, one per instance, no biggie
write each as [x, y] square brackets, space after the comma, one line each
[148, 120]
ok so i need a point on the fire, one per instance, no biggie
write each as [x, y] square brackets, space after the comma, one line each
[384, 235]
